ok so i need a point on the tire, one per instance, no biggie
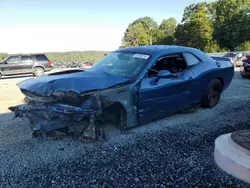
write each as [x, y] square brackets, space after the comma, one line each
[212, 95]
[243, 75]
[0, 75]
[38, 71]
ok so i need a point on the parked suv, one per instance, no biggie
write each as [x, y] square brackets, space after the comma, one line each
[35, 64]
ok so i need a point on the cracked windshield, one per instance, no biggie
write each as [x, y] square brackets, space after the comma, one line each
[122, 64]
[124, 94]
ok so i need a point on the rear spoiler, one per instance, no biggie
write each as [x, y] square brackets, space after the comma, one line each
[220, 58]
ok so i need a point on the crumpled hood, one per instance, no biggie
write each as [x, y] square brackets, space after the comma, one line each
[78, 81]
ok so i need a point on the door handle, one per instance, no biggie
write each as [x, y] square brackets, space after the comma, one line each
[190, 77]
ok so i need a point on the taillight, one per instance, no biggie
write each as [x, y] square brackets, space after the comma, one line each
[242, 68]
[49, 64]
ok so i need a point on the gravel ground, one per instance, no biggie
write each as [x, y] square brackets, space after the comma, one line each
[174, 152]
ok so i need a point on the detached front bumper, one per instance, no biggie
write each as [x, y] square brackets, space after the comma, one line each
[46, 118]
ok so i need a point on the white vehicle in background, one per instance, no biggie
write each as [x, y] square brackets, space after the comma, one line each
[234, 57]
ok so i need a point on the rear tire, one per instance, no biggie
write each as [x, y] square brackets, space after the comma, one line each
[212, 95]
[243, 75]
[38, 71]
[0, 75]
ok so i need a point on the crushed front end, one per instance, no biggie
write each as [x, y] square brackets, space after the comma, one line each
[77, 103]
[55, 118]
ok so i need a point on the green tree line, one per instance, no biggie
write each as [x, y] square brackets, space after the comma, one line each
[76, 56]
[222, 25]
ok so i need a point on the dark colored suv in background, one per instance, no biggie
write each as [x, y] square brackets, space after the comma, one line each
[35, 64]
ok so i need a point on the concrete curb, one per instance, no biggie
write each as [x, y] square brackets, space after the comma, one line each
[232, 158]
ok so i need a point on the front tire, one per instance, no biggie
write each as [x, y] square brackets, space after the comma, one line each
[212, 95]
[38, 71]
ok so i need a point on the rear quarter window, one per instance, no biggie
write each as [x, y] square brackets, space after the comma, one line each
[191, 59]
[41, 58]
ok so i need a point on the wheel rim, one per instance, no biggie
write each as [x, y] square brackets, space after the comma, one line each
[38, 72]
[214, 94]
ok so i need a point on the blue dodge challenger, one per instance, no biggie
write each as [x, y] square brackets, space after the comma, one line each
[129, 86]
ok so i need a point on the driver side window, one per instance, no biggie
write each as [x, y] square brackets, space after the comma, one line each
[173, 63]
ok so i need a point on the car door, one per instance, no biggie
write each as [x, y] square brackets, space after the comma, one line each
[26, 64]
[10, 66]
[195, 65]
[166, 96]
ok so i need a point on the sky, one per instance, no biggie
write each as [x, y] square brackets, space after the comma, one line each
[30, 26]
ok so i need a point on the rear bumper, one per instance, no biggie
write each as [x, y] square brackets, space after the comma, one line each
[48, 69]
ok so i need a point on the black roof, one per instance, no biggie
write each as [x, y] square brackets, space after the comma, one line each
[152, 49]
[157, 50]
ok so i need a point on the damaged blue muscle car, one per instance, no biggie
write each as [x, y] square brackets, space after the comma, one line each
[129, 86]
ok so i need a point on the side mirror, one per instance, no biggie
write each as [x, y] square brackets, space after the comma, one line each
[163, 74]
